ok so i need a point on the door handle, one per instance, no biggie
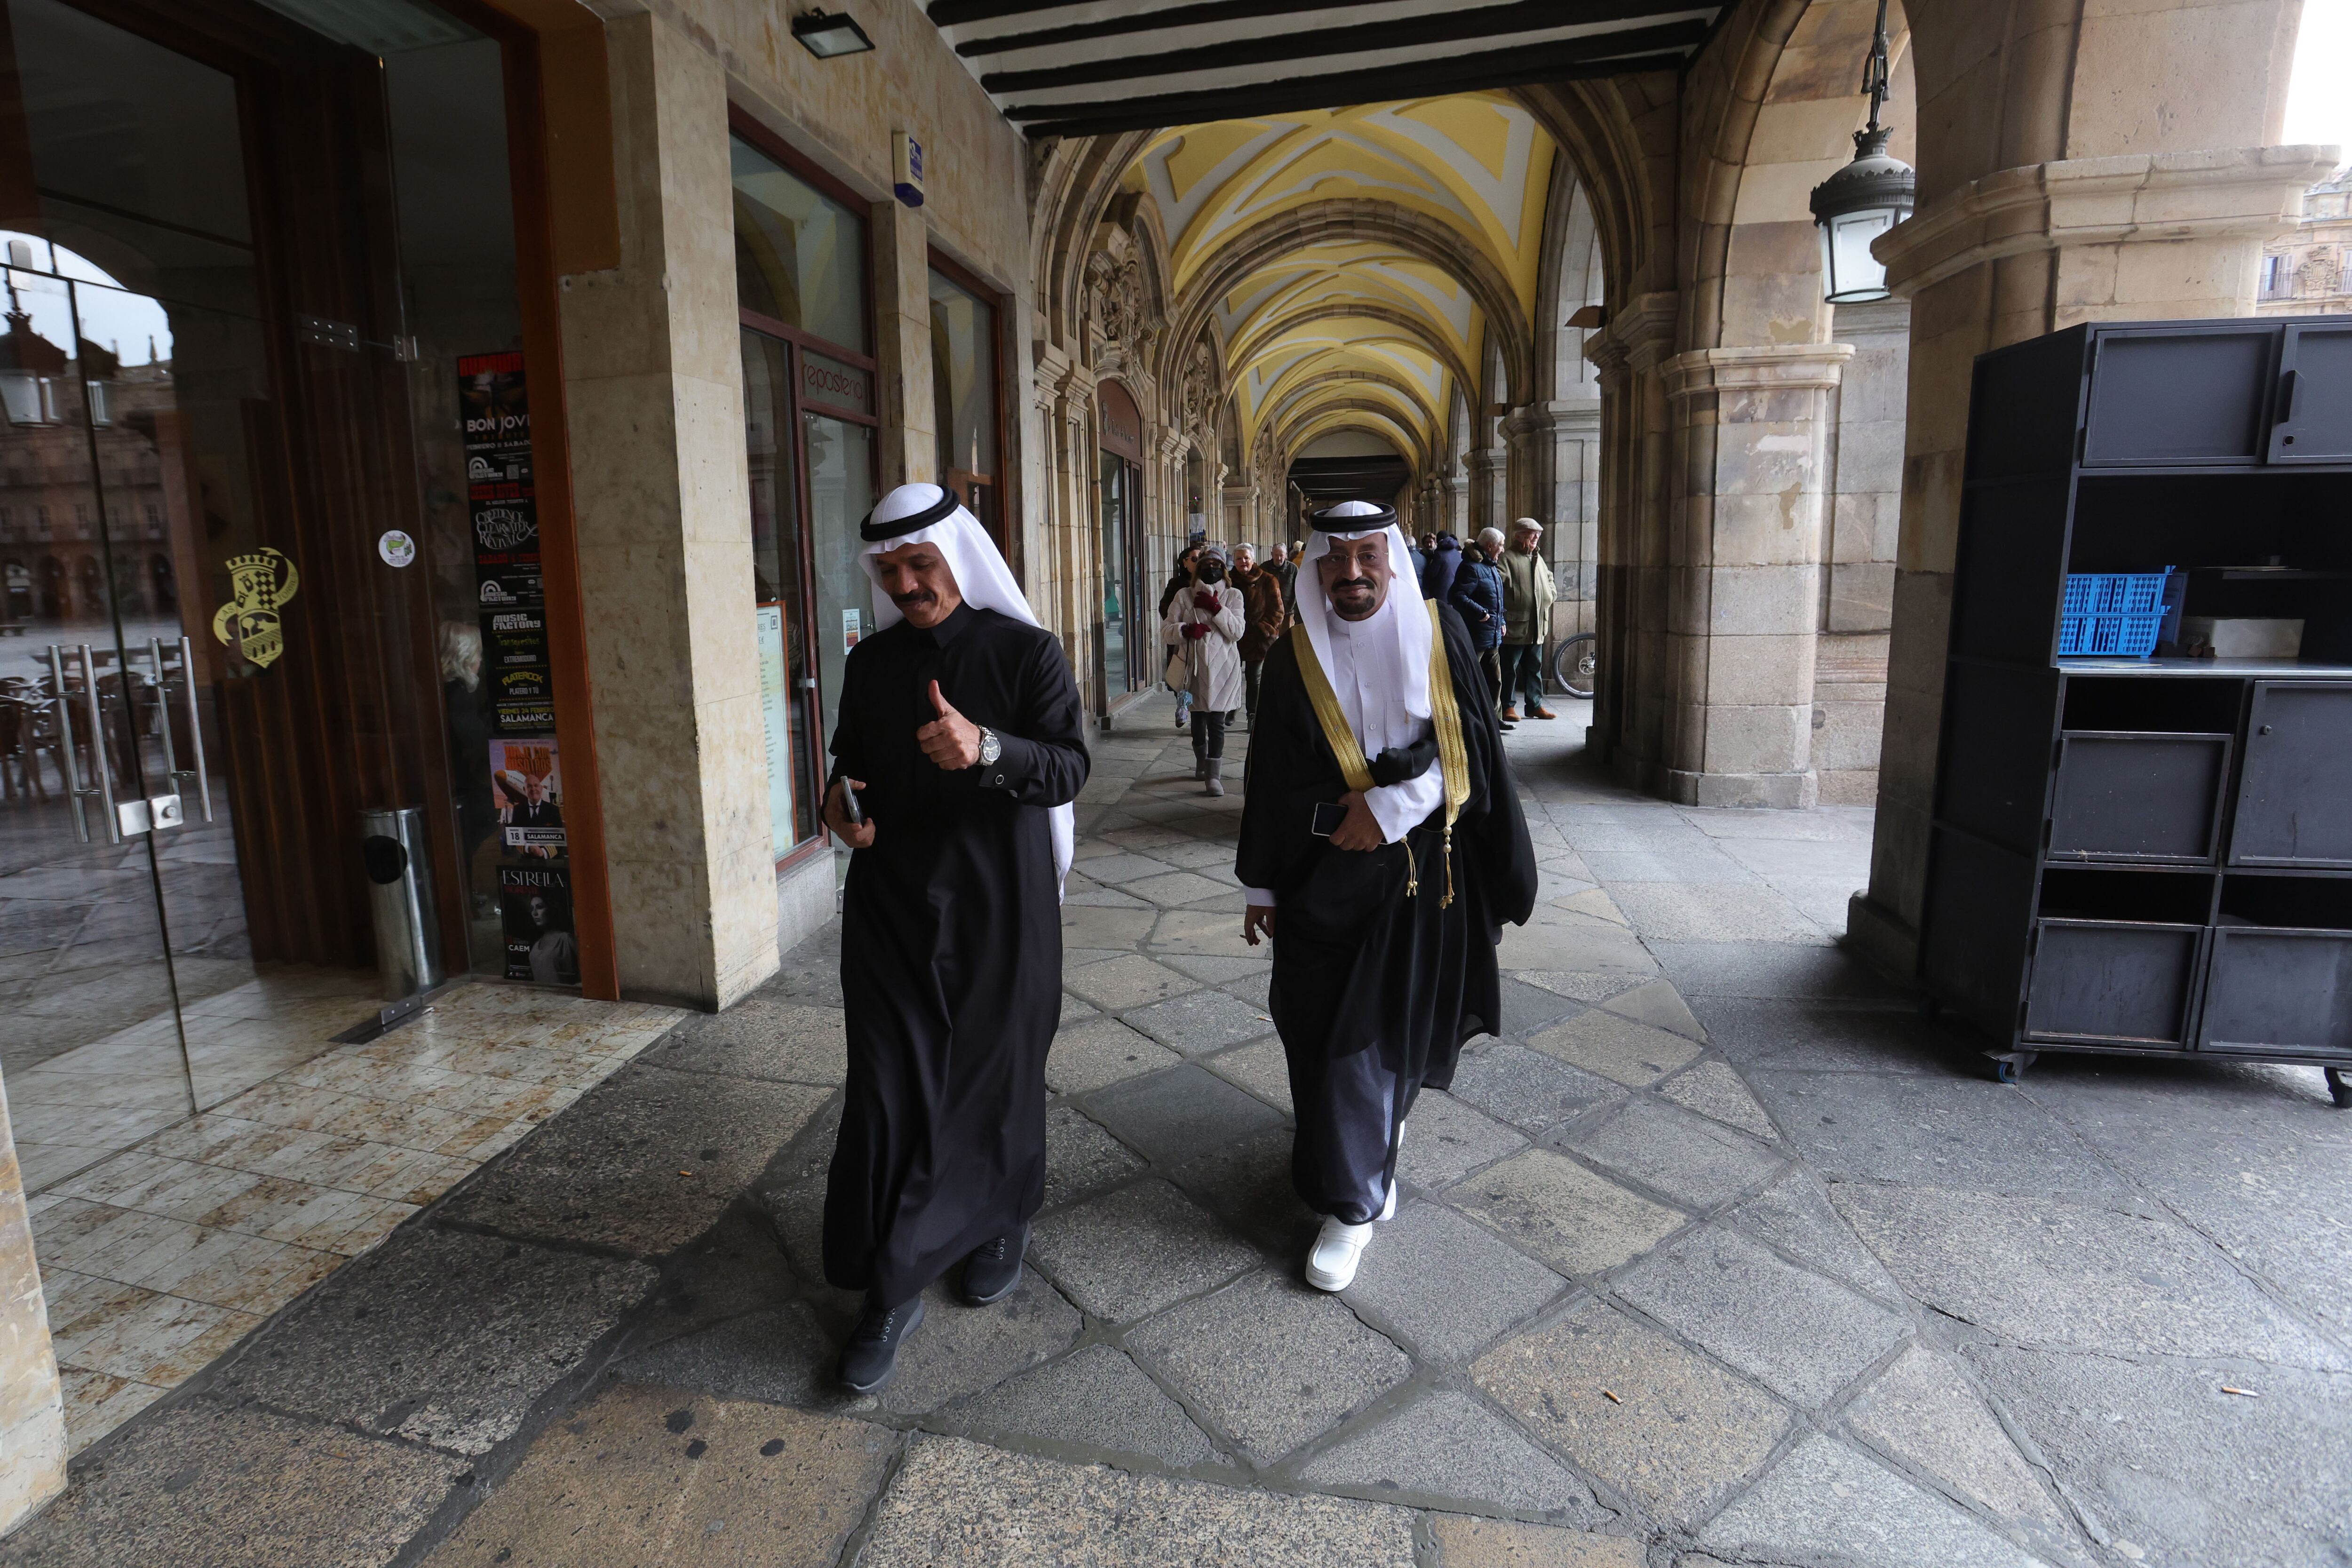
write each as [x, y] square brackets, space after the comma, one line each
[196, 732]
[67, 750]
[2290, 383]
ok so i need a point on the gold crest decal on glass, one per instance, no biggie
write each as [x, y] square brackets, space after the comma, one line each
[249, 624]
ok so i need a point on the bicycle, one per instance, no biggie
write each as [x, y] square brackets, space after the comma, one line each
[1576, 665]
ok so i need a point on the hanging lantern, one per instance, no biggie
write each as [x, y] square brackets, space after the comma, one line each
[1865, 198]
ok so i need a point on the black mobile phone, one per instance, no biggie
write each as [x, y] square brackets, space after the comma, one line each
[1328, 815]
[850, 807]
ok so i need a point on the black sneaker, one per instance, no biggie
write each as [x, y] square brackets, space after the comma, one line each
[872, 1354]
[994, 1268]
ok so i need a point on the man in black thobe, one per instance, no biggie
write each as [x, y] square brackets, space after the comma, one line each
[1384, 962]
[961, 732]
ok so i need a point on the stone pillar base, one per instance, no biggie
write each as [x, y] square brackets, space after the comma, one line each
[1882, 939]
[1779, 792]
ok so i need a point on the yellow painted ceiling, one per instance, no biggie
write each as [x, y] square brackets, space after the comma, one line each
[1476, 162]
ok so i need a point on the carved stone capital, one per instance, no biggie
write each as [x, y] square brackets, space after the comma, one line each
[2248, 193]
[1769, 367]
[1640, 333]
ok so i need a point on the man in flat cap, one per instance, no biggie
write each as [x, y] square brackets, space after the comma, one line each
[1382, 830]
[961, 735]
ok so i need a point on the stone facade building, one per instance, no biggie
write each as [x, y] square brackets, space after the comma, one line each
[2309, 271]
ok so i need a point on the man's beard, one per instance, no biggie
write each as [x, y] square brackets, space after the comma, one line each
[1371, 596]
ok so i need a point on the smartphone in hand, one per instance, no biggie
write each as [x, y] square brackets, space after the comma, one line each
[1328, 816]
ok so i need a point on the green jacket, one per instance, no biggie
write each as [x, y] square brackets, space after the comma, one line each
[1528, 596]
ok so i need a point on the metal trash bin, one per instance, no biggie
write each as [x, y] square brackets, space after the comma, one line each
[400, 895]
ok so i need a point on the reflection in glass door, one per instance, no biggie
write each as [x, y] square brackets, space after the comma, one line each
[1116, 596]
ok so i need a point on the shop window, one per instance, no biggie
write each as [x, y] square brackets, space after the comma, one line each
[964, 373]
[800, 254]
[810, 429]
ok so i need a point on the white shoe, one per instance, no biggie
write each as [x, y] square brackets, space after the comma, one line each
[1331, 1262]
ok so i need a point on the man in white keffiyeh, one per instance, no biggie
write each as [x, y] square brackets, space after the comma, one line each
[959, 746]
[1382, 833]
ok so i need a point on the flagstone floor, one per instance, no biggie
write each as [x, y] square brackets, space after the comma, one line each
[1725, 1254]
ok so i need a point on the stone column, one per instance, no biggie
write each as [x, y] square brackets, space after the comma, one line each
[1453, 499]
[1629, 727]
[1745, 553]
[901, 266]
[2014, 255]
[655, 385]
[32, 1405]
[1489, 490]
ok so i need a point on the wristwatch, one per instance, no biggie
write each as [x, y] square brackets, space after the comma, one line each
[991, 748]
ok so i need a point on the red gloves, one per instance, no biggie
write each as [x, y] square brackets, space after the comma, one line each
[1196, 631]
[1203, 599]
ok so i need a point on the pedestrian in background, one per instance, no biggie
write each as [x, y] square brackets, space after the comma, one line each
[1178, 582]
[1528, 598]
[1477, 598]
[1205, 622]
[1437, 574]
[1422, 549]
[1285, 566]
[1265, 610]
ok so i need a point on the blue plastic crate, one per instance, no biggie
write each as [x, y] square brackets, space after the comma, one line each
[2114, 615]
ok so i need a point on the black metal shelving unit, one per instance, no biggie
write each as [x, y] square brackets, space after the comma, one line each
[2151, 857]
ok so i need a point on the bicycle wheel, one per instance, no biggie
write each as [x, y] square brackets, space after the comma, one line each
[1576, 663]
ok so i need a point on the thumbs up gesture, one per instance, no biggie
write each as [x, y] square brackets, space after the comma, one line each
[951, 741]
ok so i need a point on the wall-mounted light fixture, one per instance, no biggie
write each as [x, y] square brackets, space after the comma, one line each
[825, 36]
[1865, 198]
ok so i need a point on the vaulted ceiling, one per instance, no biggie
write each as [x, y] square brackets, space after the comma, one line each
[1355, 259]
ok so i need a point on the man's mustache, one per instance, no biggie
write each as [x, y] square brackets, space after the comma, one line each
[1366, 583]
[918, 596]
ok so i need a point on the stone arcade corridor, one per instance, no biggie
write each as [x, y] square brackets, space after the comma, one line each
[1724, 1255]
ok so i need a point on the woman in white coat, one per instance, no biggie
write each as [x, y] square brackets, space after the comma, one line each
[1205, 624]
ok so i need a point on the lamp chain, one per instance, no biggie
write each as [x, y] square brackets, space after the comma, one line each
[1874, 71]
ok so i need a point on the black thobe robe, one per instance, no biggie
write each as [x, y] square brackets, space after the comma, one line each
[1374, 990]
[950, 947]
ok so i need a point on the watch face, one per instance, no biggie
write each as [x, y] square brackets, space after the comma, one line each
[991, 748]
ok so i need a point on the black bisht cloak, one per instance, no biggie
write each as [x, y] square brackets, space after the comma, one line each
[951, 948]
[1358, 964]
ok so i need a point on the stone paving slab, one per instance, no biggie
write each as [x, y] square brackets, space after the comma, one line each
[1447, 1448]
[643, 1163]
[1669, 1429]
[1135, 1251]
[1696, 1161]
[201, 1485]
[647, 1476]
[2182, 1470]
[2038, 1271]
[1444, 1286]
[956, 1504]
[1795, 1217]
[1095, 1053]
[1271, 1362]
[764, 1036]
[962, 1350]
[1562, 1214]
[1800, 1335]
[1826, 1500]
[1935, 1130]
[1712, 1090]
[1464, 1541]
[1174, 1115]
[1532, 1091]
[1082, 1159]
[1095, 1397]
[1248, 1185]
[441, 1336]
[1619, 1049]
[1202, 1020]
[1924, 1413]
[1260, 1068]
[1445, 1140]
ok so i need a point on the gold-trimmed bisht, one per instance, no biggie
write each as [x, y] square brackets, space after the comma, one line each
[1445, 714]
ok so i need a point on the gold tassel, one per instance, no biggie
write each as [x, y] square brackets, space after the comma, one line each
[1411, 872]
[1447, 902]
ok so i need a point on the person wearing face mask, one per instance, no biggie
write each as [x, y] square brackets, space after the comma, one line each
[959, 746]
[1383, 831]
[1206, 623]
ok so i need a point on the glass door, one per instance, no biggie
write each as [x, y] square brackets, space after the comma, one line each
[1117, 598]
